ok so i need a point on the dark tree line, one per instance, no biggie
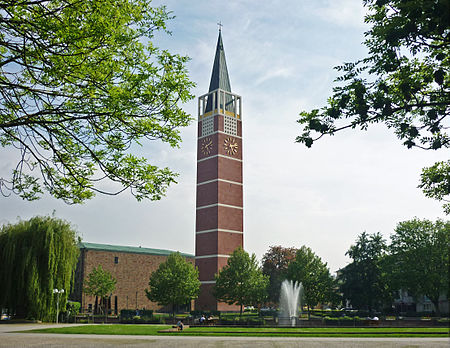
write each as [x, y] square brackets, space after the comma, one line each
[416, 260]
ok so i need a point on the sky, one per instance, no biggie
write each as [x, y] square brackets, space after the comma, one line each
[280, 57]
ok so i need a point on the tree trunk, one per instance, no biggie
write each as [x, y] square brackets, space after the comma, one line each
[240, 313]
[435, 302]
[105, 310]
[20, 313]
[309, 313]
[173, 311]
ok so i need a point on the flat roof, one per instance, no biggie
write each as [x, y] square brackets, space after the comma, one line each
[128, 249]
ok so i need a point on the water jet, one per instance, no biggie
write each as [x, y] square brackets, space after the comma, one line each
[290, 296]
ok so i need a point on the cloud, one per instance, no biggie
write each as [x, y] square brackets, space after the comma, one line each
[344, 13]
[274, 73]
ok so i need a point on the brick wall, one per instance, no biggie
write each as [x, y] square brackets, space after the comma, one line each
[132, 272]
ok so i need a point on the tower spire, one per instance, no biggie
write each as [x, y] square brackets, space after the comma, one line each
[219, 76]
[219, 226]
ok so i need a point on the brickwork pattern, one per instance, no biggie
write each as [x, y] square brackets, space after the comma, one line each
[226, 198]
[132, 272]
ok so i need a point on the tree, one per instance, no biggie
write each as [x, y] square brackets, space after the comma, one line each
[36, 256]
[403, 83]
[175, 282]
[100, 283]
[364, 281]
[81, 84]
[314, 275]
[274, 264]
[241, 281]
[435, 183]
[420, 256]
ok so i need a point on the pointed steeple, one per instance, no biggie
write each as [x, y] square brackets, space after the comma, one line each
[219, 76]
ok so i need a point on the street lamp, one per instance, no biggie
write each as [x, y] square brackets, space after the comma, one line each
[57, 292]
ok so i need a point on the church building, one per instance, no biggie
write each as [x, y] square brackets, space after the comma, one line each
[130, 266]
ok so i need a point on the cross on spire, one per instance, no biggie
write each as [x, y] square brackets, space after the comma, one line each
[220, 25]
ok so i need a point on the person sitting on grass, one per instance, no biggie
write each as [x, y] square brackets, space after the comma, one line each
[202, 319]
[180, 325]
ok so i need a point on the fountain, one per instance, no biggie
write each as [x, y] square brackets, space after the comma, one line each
[289, 302]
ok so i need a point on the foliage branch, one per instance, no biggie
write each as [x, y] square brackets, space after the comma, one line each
[404, 82]
[81, 85]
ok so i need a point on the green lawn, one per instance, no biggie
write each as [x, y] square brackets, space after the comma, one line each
[112, 329]
[119, 329]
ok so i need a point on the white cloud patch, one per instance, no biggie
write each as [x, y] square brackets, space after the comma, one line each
[344, 13]
[273, 74]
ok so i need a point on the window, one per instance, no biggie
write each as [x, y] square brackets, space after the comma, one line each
[116, 260]
[230, 125]
[207, 126]
[427, 307]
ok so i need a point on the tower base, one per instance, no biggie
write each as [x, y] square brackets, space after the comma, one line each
[207, 302]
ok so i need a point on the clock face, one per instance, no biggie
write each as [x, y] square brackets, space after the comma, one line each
[231, 146]
[206, 146]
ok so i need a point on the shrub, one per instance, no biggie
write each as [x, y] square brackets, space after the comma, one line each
[227, 321]
[146, 313]
[127, 313]
[329, 320]
[198, 313]
[256, 321]
[251, 310]
[73, 307]
[159, 319]
[269, 312]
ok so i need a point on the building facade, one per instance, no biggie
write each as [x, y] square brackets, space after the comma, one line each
[219, 203]
[130, 266]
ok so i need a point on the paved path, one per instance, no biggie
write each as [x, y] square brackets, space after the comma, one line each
[10, 338]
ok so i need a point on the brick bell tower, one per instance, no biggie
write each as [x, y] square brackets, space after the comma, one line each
[219, 213]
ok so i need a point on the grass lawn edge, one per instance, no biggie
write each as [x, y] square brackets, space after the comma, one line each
[157, 330]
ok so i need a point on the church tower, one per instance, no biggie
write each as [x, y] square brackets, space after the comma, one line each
[219, 209]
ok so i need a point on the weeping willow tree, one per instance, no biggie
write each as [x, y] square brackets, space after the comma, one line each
[36, 256]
